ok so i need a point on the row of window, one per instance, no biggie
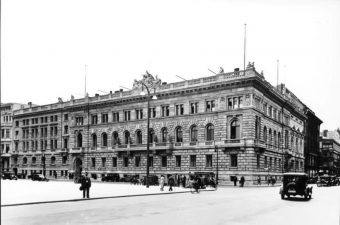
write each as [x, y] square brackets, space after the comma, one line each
[34, 160]
[44, 119]
[6, 119]
[43, 132]
[34, 145]
[164, 137]
[5, 133]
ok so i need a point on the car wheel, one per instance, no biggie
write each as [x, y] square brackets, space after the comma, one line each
[305, 196]
[282, 196]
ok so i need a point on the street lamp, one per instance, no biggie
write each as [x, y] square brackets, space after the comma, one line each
[43, 163]
[148, 82]
[216, 150]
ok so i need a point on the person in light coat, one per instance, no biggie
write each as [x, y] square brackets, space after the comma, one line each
[162, 182]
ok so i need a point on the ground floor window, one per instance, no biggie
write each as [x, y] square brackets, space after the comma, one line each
[164, 161]
[233, 160]
[114, 161]
[178, 161]
[137, 161]
[126, 161]
[193, 161]
[208, 160]
[150, 161]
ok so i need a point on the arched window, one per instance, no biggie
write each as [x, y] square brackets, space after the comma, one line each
[24, 161]
[210, 132]
[164, 134]
[139, 137]
[179, 134]
[265, 134]
[193, 133]
[64, 159]
[151, 135]
[275, 138]
[270, 136]
[104, 140]
[79, 140]
[126, 137]
[115, 138]
[94, 140]
[235, 130]
[34, 160]
[52, 160]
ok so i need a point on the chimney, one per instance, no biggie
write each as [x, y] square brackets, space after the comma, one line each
[236, 69]
[325, 132]
[110, 92]
[96, 95]
[29, 104]
[121, 90]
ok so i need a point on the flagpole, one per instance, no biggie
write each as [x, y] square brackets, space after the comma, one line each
[244, 49]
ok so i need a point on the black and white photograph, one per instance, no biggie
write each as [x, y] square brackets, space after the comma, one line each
[188, 112]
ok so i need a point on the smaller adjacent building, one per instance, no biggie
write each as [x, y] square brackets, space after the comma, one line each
[6, 133]
[330, 152]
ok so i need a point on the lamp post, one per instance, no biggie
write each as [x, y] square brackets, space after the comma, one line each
[148, 82]
[216, 150]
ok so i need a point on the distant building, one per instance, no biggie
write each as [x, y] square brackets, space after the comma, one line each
[7, 134]
[330, 152]
[238, 118]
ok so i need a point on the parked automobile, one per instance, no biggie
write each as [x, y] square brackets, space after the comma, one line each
[8, 175]
[295, 184]
[113, 177]
[127, 178]
[39, 177]
[327, 180]
[153, 180]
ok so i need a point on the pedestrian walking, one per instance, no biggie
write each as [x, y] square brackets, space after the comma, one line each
[242, 181]
[162, 182]
[171, 182]
[258, 180]
[55, 174]
[235, 180]
[184, 181]
[85, 185]
[269, 180]
[273, 181]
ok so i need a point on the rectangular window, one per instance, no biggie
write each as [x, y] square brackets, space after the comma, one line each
[150, 161]
[279, 116]
[208, 160]
[55, 131]
[66, 129]
[16, 123]
[210, 106]
[125, 161]
[194, 107]
[152, 112]
[258, 158]
[233, 160]
[114, 161]
[270, 111]
[103, 162]
[265, 161]
[7, 133]
[137, 161]
[265, 108]
[55, 118]
[235, 103]
[165, 111]
[79, 121]
[93, 162]
[164, 161]
[65, 143]
[94, 119]
[270, 162]
[240, 102]
[127, 115]
[139, 114]
[51, 118]
[115, 116]
[179, 109]
[56, 144]
[192, 160]
[105, 118]
[66, 117]
[178, 161]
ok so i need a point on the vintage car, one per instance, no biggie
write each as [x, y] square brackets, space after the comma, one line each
[326, 180]
[39, 177]
[113, 177]
[9, 175]
[295, 184]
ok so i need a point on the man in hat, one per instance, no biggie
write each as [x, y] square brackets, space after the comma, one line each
[86, 184]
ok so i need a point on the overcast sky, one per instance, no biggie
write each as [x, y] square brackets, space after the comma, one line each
[46, 44]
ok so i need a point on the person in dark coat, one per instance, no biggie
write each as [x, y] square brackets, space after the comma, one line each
[171, 182]
[242, 181]
[184, 180]
[86, 185]
[235, 181]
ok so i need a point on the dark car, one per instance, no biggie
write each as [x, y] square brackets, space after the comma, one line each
[39, 177]
[127, 178]
[9, 175]
[153, 180]
[295, 184]
[113, 177]
[326, 180]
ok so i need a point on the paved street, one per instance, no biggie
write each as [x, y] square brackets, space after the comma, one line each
[227, 205]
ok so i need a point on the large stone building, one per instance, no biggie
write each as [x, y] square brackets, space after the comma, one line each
[6, 133]
[235, 120]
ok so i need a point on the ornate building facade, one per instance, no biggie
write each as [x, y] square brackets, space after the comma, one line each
[233, 124]
[330, 152]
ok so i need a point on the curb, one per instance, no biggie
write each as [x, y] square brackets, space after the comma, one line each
[98, 198]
